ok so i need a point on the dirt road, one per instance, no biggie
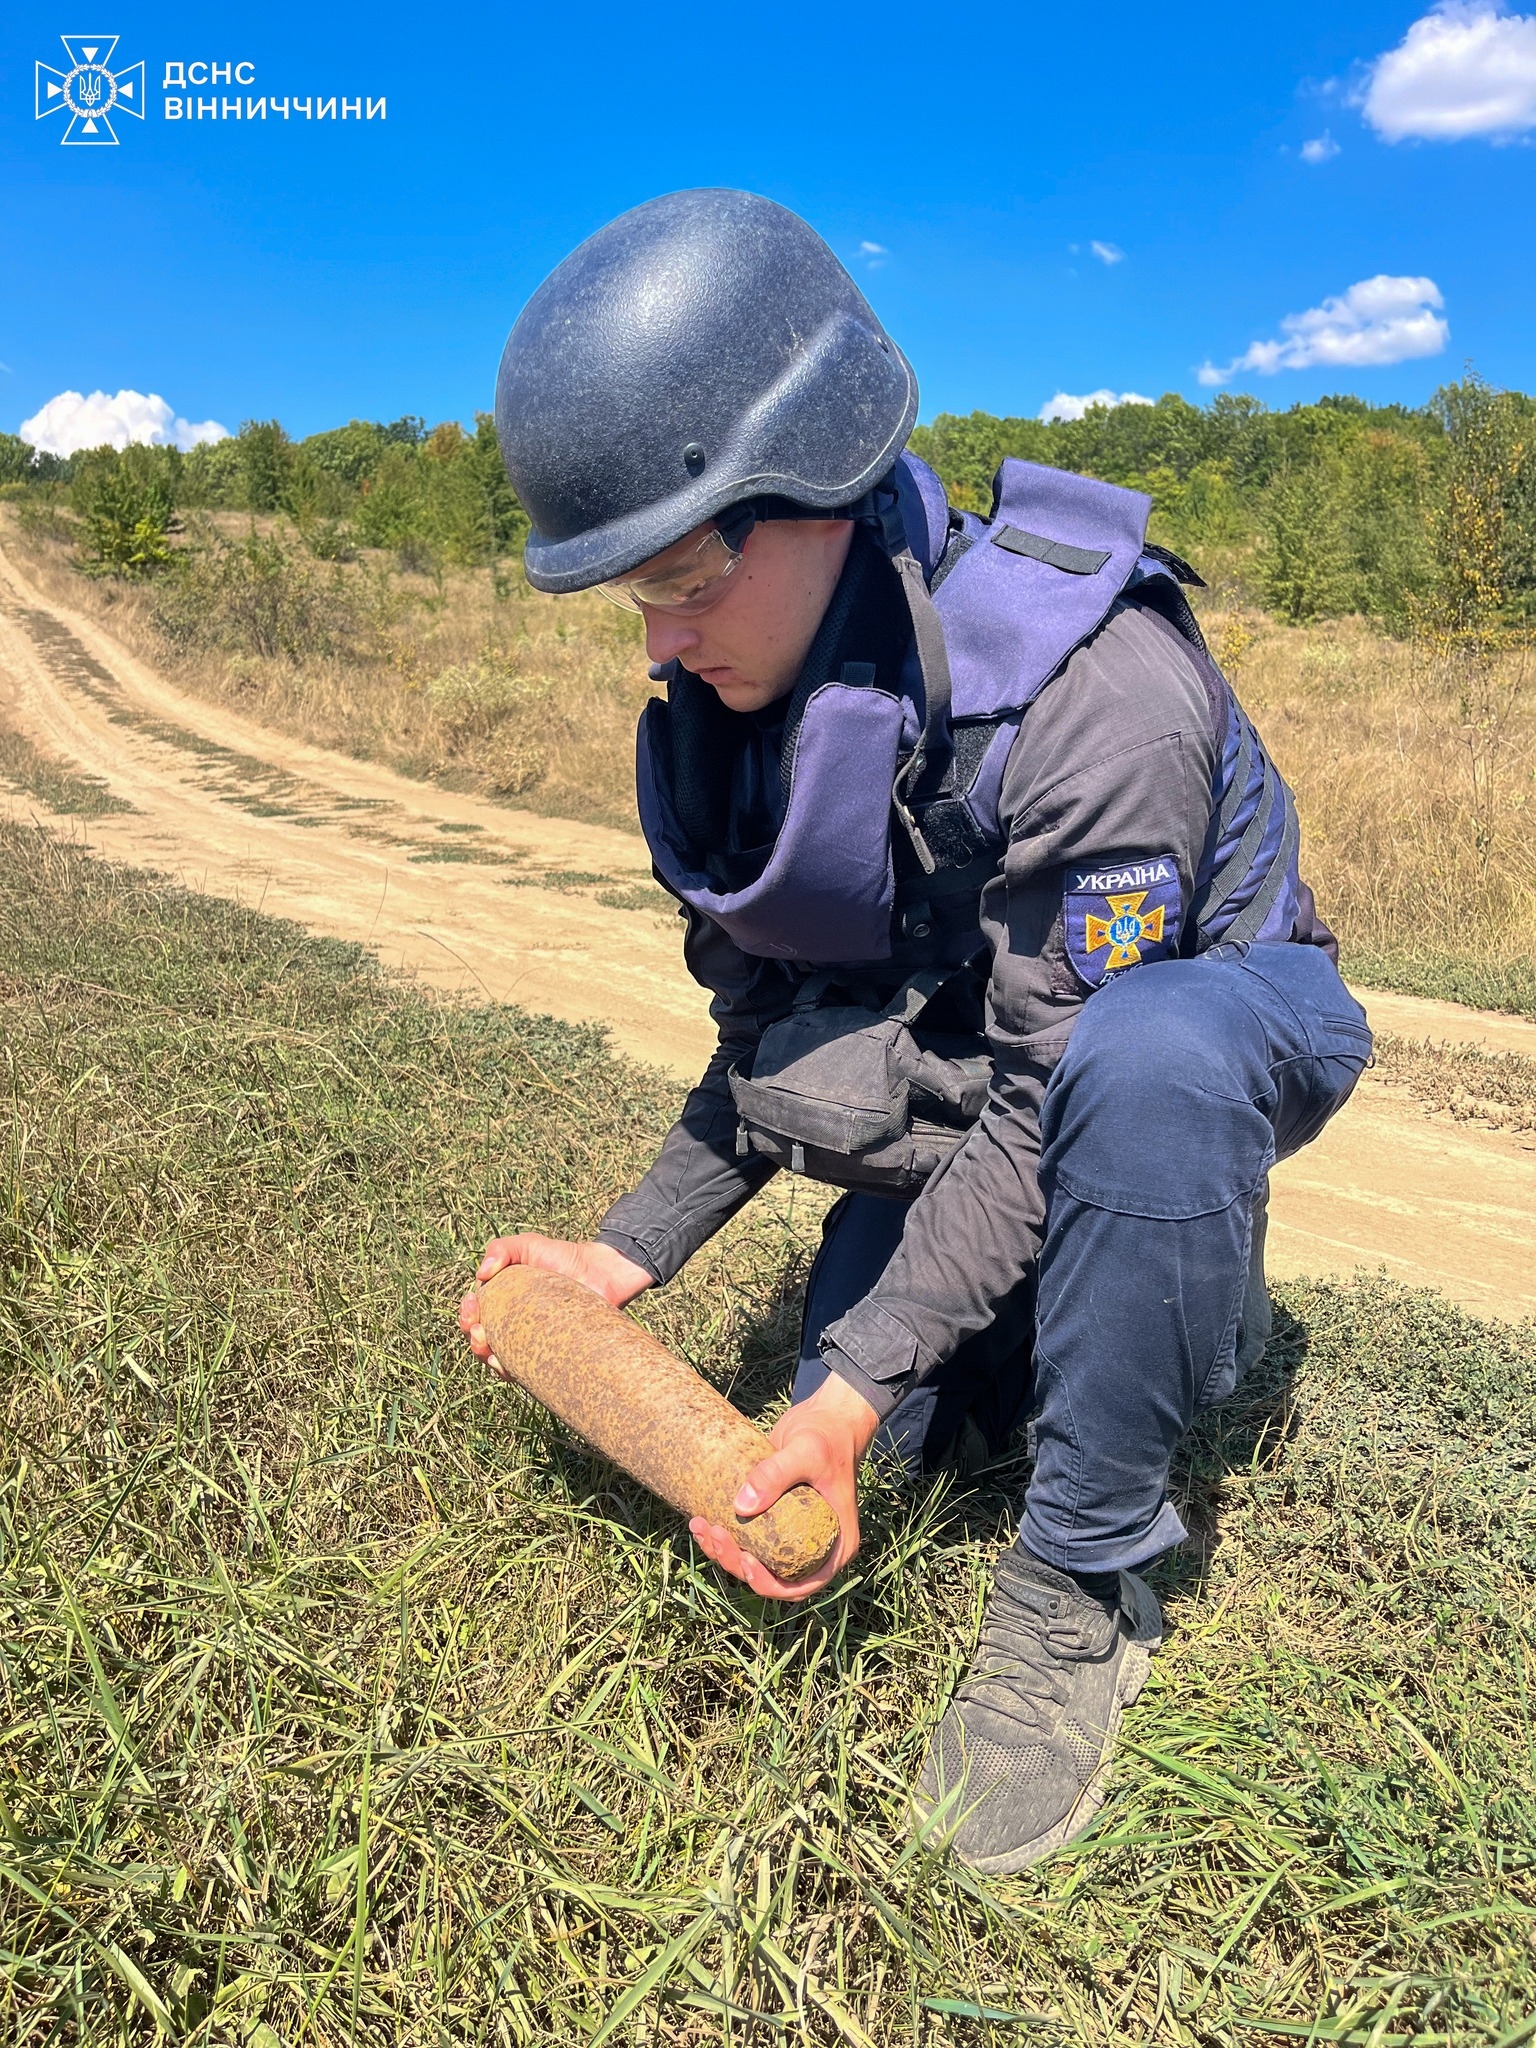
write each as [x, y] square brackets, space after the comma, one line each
[475, 896]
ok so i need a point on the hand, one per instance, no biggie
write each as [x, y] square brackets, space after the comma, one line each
[598, 1266]
[820, 1443]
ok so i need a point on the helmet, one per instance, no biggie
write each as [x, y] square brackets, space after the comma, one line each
[704, 349]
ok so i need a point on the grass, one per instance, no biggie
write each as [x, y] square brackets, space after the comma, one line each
[63, 790]
[344, 1699]
[1494, 1088]
[471, 679]
[1415, 773]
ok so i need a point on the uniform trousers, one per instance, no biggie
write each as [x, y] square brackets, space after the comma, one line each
[1183, 1083]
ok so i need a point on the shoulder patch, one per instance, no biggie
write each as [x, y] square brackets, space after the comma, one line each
[1121, 915]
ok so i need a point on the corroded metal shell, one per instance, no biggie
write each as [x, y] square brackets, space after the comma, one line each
[648, 1411]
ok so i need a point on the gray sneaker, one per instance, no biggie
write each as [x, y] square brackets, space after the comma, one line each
[1020, 1761]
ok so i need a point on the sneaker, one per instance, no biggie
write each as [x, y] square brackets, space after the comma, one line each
[1020, 1762]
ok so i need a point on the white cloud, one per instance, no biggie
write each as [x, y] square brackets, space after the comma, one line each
[70, 422]
[1064, 406]
[1465, 68]
[1380, 320]
[1319, 149]
[1107, 252]
[875, 255]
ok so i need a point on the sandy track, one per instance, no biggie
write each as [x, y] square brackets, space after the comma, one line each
[467, 894]
[477, 897]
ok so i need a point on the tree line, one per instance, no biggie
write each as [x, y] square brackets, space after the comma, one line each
[1403, 514]
[433, 497]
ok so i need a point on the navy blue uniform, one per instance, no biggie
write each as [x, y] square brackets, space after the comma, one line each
[1086, 1252]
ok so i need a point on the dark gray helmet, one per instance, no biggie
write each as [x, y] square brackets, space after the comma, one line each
[704, 349]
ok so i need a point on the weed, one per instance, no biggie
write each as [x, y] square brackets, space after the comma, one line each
[489, 687]
[1413, 763]
[641, 896]
[1496, 1088]
[259, 598]
[64, 790]
[1414, 760]
[42, 520]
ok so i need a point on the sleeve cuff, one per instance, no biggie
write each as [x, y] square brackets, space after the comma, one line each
[874, 1353]
[883, 1397]
[636, 1254]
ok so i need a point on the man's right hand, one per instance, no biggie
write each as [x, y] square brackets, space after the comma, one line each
[598, 1266]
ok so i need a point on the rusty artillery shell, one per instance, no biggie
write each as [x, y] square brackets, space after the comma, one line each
[648, 1411]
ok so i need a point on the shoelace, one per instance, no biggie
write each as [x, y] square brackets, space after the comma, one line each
[1029, 1630]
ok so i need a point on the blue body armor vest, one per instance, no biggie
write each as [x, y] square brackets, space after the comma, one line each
[890, 829]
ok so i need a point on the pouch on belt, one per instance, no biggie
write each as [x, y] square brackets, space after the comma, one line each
[857, 1097]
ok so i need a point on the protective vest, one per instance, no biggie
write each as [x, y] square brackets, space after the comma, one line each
[890, 828]
[1013, 595]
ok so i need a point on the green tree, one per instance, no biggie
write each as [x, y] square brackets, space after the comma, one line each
[508, 518]
[213, 474]
[126, 502]
[266, 466]
[1485, 521]
[1304, 563]
[15, 460]
[350, 454]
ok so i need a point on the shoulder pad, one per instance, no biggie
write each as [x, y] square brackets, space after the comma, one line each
[1041, 577]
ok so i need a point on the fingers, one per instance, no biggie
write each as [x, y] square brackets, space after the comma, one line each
[474, 1333]
[719, 1545]
[502, 1252]
[523, 1247]
[806, 1455]
[802, 1461]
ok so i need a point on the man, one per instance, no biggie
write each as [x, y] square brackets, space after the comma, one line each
[997, 895]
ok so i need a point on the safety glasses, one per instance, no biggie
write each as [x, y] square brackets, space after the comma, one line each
[689, 586]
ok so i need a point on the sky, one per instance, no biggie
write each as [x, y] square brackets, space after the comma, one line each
[1042, 203]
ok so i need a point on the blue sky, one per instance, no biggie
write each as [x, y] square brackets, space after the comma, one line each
[319, 270]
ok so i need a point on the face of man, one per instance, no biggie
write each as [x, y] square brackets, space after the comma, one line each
[751, 642]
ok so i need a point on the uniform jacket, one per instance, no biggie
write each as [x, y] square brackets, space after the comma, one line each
[1108, 780]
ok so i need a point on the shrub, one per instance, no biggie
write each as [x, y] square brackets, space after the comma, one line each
[329, 540]
[211, 474]
[15, 460]
[41, 518]
[257, 597]
[474, 696]
[125, 501]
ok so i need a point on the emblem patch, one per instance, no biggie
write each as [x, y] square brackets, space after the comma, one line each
[1121, 915]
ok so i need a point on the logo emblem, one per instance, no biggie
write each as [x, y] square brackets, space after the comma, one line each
[90, 92]
[1123, 930]
[1121, 914]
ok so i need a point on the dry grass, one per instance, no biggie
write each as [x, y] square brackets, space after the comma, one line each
[472, 679]
[1415, 774]
[1415, 771]
[1493, 1088]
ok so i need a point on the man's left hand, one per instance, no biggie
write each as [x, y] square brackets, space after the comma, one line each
[819, 1443]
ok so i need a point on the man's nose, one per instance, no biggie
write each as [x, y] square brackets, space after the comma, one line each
[667, 636]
